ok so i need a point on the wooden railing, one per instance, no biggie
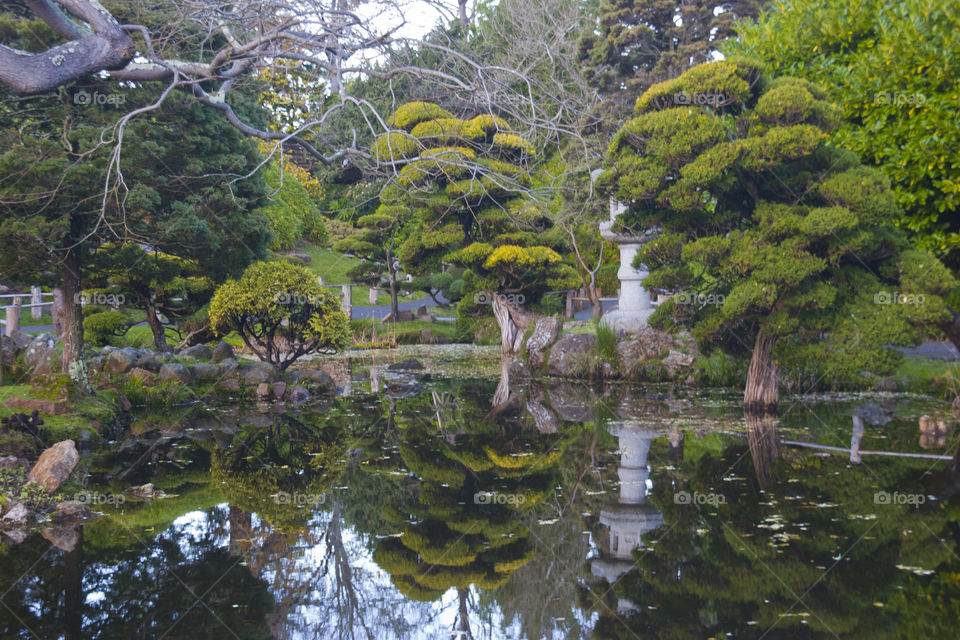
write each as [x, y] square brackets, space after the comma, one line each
[12, 305]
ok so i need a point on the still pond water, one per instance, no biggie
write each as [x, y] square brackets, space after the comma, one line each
[417, 507]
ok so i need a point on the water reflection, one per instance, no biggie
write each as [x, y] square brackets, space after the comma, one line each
[427, 508]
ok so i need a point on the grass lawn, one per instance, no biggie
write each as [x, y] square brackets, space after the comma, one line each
[333, 266]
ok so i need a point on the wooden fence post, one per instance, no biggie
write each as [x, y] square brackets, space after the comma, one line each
[13, 318]
[36, 299]
[347, 302]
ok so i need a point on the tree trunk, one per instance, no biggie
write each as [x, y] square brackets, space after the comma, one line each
[72, 362]
[512, 322]
[159, 335]
[392, 277]
[762, 393]
[952, 329]
[764, 444]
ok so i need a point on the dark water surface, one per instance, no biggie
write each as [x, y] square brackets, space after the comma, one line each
[426, 510]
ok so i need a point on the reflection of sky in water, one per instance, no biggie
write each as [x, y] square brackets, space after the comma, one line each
[305, 566]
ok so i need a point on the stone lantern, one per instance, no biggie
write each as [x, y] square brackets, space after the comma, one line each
[635, 306]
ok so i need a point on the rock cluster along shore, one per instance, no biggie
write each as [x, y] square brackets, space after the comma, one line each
[217, 367]
[645, 354]
[60, 522]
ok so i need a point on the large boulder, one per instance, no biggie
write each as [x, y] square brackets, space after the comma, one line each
[122, 360]
[197, 352]
[575, 355]
[651, 348]
[221, 352]
[174, 371]
[146, 378]
[54, 466]
[544, 334]
[149, 362]
[205, 372]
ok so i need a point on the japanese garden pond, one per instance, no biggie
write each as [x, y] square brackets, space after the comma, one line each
[413, 507]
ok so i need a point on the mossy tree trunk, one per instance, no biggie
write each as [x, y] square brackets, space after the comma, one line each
[762, 393]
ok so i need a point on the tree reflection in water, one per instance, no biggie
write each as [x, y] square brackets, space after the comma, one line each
[439, 510]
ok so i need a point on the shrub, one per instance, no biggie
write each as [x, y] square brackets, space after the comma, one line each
[105, 327]
[280, 312]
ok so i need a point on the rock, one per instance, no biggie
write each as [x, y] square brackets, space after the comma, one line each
[221, 352]
[263, 390]
[298, 395]
[173, 371]
[96, 364]
[197, 352]
[54, 466]
[149, 362]
[575, 355]
[17, 535]
[677, 361]
[410, 364]
[69, 510]
[872, 413]
[121, 360]
[18, 339]
[38, 350]
[253, 377]
[143, 492]
[13, 462]
[545, 333]
[64, 538]
[17, 517]
[886, 384]
[46, 407]
[316, 380]
[228, 367]
[144, 376]
[278, 389]
[572, 402]
[205, 372]
[402, 316]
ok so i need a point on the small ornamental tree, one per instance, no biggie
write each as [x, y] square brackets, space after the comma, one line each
[783, 246]
[376, 242]
[511, 278]
[281, 313]
[159, 283]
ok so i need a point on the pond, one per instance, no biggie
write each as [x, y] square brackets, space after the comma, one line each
[417, 507]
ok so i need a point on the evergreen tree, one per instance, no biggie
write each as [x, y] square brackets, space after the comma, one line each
[775, 241]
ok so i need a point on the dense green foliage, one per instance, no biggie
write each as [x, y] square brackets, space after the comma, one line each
[280, 312]
[894, 70]
[767, 229]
